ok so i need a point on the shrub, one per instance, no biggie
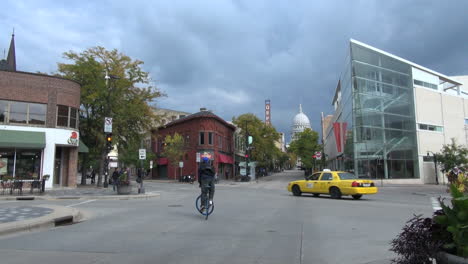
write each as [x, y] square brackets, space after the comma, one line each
[419, 241]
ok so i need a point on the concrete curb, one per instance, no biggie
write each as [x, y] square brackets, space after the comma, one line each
[51, 220]
[87, 197]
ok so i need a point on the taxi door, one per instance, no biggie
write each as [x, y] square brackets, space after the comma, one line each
[311, 183]
[325, 182]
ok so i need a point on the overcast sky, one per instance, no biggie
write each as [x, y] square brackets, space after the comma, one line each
[229, 56]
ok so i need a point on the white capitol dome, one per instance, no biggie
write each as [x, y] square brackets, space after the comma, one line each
[300, 122]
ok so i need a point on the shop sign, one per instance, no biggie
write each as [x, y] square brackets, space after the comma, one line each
[207, 155]
[73, 140]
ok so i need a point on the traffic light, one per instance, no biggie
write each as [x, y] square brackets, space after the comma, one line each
[109, 142]
[246, 155]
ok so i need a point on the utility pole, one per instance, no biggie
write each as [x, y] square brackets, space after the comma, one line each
[247, 158]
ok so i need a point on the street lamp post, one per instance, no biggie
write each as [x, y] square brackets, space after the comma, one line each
[109, 113]
[435, 165]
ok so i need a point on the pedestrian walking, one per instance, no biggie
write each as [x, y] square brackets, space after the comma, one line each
[115, 178]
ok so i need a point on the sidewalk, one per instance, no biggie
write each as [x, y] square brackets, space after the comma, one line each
[27, 218]
[82, 192]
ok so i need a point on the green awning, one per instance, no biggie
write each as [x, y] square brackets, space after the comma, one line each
[22, 139]
[82, 148]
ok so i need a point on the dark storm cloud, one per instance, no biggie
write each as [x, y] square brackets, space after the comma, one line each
[230, 56]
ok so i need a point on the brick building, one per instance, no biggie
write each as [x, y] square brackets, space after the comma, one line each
[204, 133]
[38, 125]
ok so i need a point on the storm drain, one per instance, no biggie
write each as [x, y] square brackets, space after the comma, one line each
[62, 221]
[174, 205]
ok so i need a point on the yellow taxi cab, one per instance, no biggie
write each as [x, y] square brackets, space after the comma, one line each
[334, 183]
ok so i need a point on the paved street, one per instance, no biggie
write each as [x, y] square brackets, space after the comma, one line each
[252, 223]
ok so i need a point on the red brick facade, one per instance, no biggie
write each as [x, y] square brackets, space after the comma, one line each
[221, 147]
[50, 90]
[40, 88]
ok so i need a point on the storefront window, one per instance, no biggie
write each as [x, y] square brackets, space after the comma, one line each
[7, 161]
[26, 164]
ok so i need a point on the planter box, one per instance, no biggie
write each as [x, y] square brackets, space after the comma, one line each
[124, 189]
[446, 258]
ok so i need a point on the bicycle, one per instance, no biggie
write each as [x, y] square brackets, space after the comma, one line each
[208, 208]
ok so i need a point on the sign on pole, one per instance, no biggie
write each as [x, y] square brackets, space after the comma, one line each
[181, 164]
[107, 124]
[198, 156]
[318, 155]
[151, 164]
[142, 154]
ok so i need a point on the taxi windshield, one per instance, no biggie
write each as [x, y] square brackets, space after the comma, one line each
[346, 176]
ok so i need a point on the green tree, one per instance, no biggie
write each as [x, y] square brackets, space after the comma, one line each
[451, 156]
[263, 149]
[305, 147]
[174, 149]
[125, 98]
[130, 155]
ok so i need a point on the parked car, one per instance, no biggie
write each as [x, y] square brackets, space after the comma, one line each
[334, 183]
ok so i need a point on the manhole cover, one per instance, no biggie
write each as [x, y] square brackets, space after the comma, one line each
[174, 205]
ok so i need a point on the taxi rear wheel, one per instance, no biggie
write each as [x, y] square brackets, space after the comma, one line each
[357, 196]
[296, 190]
[335, 193]
[316, 194]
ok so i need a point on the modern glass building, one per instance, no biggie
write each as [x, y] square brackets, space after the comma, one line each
[374, 128]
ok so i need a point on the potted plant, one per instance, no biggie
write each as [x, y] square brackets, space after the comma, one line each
[123, 184]
[455, 220]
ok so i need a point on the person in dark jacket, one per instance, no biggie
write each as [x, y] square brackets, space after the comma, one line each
[115, 178]
[206, 177]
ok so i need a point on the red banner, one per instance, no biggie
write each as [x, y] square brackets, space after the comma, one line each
[337, 132]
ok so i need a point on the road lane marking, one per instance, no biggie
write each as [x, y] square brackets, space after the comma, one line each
[88, 201]
[435, 204]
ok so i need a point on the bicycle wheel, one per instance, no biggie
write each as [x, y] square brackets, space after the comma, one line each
[198, 206]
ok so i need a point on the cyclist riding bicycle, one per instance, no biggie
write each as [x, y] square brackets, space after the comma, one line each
[206, 176]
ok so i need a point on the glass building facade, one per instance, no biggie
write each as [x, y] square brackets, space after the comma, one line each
[373, 132]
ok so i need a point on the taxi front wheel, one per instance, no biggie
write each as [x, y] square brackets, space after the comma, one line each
[296, 190]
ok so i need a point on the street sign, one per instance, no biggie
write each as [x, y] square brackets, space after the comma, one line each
[142, 153]
[151, 164]
[107, 124]
[198, 156]
[250, 139]
[318, 155]
[181, 164]
[207, 154]
[243, 171]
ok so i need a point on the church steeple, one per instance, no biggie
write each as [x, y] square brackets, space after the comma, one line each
[11, 59]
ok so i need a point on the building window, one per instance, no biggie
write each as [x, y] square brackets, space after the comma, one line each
[174, 118]
[181, 116]
[220, 142]
[37, 114]
[202, 138]
[67, 116]
[466, 121]
[22, 113]
[18, 112]
[22, 163]
[426, 84]
[431, 127]
[210, 138]
[428, 158]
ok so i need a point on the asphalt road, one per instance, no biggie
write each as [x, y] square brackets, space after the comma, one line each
[252, 223]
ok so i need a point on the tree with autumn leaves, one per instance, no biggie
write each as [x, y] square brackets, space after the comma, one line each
[126, 97]
[263, 149]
